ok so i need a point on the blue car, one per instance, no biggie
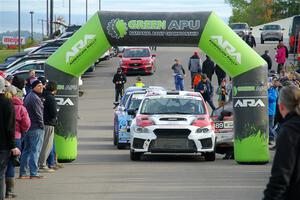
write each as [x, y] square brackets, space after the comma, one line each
[120, 110]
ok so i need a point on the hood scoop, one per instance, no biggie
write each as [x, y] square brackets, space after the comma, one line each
[173, 119]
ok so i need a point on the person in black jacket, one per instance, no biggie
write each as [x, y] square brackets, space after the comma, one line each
[250, 40]
[208, 68]
[268, 59]
[119, 80]
[284, 183]
[50, 118]
[206, 89]
[221, 74]
[7, 135]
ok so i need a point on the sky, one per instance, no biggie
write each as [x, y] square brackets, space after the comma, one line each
[8, 9]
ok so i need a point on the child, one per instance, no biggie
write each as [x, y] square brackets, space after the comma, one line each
[139, 82]
[222, 92]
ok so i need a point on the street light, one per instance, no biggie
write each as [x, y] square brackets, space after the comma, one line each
[69, 12]
[86, 10]
[99, 5]
[31, 13]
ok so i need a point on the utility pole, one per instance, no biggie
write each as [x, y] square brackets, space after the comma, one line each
[31, 14]
[69, 12]
[47, 17]
[19, 26]
[86, 10]
[42, 20]
[51, 19]
[99, 5]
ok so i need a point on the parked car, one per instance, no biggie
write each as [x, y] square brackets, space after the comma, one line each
[172, 123]
[241, 29]
[271, 32]
[137, 60]
[11, 59]
[224, 129]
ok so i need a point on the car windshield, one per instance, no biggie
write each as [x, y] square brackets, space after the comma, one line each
[238, 26]
[272, 27]
[135, 101]
[184, 106]
[133, 53]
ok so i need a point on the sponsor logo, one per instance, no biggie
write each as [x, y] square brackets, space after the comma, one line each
[261, 88]
[228, 49]
[64, 102]
[244, 103]
[79, 48]
[118, 28]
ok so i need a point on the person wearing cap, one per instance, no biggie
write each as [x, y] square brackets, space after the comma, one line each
[7, 135]
[139, 82]
[19, 83]
[206, 89]
[119, 80]
[22, 125]
[50, 119]
[268, 59]
[179, 74]
[33, 138]
[43, 80]
[194, 66]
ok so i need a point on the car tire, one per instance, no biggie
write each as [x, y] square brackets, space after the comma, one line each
[115, 139]
[121, 146]
[262, 41]
[210, 156]
[135, 156]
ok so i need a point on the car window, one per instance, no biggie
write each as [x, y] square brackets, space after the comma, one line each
[132, 53]
[34, 66]
[135, 101]
[173, 106]
[272, 27]
[238, 26]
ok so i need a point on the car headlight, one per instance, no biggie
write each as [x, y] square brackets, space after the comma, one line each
[139, 129]
[205, 129]
[149, 63]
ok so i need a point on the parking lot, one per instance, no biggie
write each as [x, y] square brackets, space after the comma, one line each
[101, 171]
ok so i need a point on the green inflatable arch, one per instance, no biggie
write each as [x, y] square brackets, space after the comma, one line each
[197, 29]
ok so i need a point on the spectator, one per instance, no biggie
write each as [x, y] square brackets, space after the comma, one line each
[29, 80]
[268, 59]
[9, 79]
[208, 68]
[50, 118]
[272, 99]
[284, 182]
[222, 93]
[206, 89]
[286, 49]
[19, 83]
[229, 89]
[197, 79]
[250, 40]
[139, 82]
[280, 57]
[194, 66]
[119, 80]
[221, 74]
[179, 74]
[7, 135]
[43, 80]
[22, 125]
[33, 139]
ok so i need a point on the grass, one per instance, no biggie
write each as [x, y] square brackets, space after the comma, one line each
[5, 53]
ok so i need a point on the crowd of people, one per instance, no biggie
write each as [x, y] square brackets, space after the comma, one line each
[28, 115]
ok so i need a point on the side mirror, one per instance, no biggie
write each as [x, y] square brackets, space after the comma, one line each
[251, 28]
[260, 29]
[153, 55]
[120, 56]
[132, 112]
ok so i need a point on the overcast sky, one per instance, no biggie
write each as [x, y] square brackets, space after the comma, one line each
[8, 9]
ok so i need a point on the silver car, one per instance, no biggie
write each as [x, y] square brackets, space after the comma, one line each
[241, 29]
[271, 32]
[172, 123]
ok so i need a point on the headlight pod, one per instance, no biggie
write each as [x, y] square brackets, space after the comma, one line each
[204, 130]
[139, 129]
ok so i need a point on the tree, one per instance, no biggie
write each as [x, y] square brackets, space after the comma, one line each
[285, 8]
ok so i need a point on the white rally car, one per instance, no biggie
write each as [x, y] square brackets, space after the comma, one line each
[172, 123]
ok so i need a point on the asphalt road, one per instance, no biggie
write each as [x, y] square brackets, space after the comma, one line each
[103, 172]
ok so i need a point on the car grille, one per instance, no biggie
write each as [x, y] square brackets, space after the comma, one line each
[138, 143]
[206, 143]
[172, 141]
[135, 64]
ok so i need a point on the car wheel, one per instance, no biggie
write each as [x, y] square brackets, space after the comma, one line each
[210, 156]
[115, 138]
[135, 156]
[121, 145]
[262, 41]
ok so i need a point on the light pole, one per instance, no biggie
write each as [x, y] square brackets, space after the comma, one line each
[19, 26]
[31, 14]
[51, 19]
[99, 5]
[86, 10]
[42, 20]
[47, 17]
[69, 12]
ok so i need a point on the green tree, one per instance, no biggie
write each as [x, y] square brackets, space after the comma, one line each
[285, 8]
